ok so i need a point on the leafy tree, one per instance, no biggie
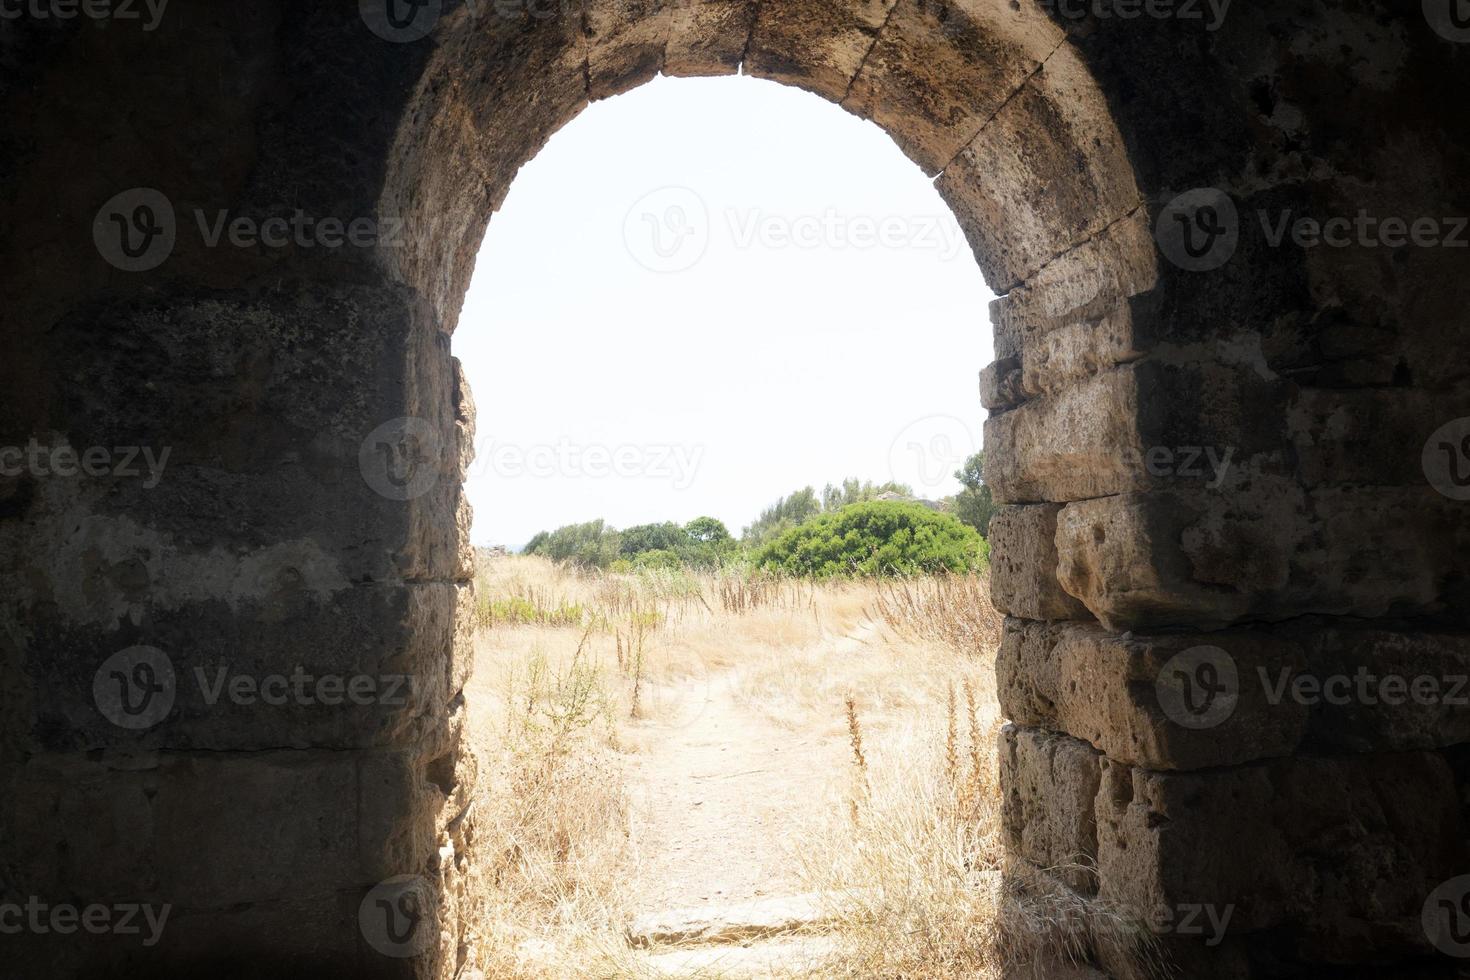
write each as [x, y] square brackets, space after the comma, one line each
[973, 504]
[785, 513]
[708, 530]
[659, 559]
[652, 537]
[709, 545]
[875, 538]
[593, 544]
[854, 491]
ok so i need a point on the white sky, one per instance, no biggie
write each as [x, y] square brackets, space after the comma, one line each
[809, 311]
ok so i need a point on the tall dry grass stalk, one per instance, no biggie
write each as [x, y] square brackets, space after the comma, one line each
[917, 877]
[952, 610]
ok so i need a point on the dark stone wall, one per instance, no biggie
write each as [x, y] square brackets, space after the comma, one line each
[1222, 457]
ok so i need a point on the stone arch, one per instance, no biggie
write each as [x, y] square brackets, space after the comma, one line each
[989, 100]
[1059, 134]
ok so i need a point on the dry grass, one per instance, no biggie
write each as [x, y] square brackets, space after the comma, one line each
[574, 668]
[915, 864]
[951, 611]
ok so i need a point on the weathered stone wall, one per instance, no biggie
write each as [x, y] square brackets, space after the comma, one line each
[1214, 464]
[1217, 477]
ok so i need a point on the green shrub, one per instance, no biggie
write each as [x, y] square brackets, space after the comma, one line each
[657, 558]
[875, 538]
[590, 545]
[520, 610]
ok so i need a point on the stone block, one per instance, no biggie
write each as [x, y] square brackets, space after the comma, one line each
[1023, 565]
[1338, 854]
[708, 37]
[1046, 173]
[1187, 701]
[938, 73]
[1267, 551]
[368, 666]
[625, 43]
[1050, 784]
[817, 45]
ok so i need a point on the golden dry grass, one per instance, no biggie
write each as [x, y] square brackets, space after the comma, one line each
[574, 666]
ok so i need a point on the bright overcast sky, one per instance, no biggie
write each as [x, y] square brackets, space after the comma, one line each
[705, 294]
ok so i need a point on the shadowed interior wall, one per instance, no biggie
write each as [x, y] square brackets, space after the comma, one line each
[1063, 143]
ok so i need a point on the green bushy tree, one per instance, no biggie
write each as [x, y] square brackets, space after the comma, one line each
[592, 545]
[652, 537]
[875, 538]
[786, 513]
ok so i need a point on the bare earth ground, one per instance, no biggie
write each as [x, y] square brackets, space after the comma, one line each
[696, 809]
[721, 792]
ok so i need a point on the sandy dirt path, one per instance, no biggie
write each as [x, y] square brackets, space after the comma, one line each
[721, 792]
[719, 796]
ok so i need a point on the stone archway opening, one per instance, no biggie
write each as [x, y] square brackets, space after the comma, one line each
[994, 106]
[752, 261]
[613, 343]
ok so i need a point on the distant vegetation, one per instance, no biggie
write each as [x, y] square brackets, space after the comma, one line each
[875, 538]
[854, 527]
